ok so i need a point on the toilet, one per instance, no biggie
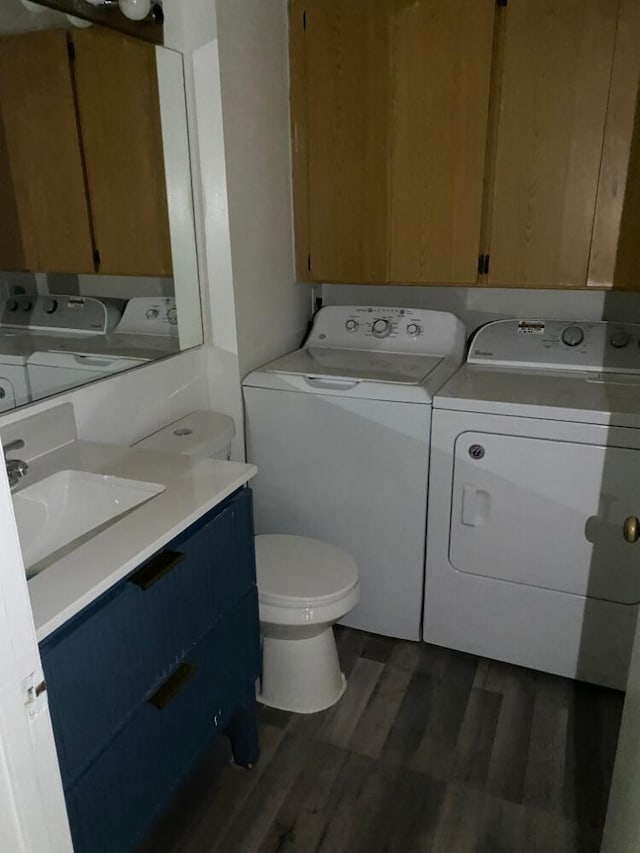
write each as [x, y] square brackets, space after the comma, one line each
[304, 587]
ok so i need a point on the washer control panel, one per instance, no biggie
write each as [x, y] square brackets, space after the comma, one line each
[558, 345]
[399, 330]
[59, 313]
[150, 315]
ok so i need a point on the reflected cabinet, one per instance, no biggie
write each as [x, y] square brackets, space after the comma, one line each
[82, 181]
[466, 142]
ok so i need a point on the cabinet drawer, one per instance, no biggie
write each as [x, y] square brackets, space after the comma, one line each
[115, 801]
[115, 653]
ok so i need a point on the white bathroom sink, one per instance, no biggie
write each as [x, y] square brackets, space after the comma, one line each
[68, 505]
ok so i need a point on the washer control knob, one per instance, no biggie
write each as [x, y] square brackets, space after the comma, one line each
[572, 336]
[151, 314]
[12, 305]
[413, 329]
[351, 325]
[172, 316]
[50, 306]
[381, 328]
[27, 306]
[620, 338]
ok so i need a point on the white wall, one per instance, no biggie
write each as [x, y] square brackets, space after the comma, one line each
[622, 828]
[126, 407]
[271, 309]
[478, 305]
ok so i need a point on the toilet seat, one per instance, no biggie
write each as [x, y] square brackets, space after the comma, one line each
[298, 572]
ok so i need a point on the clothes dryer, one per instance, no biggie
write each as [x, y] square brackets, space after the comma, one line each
[535, 466]
[340, 433]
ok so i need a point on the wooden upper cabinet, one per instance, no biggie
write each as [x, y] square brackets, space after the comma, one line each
[553, 92]
[615, 250]
[43, 202]
[119, 114]
[389, 121]
[440, 59]
[82, 181]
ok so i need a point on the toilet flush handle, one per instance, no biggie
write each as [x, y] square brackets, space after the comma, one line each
[631, 529]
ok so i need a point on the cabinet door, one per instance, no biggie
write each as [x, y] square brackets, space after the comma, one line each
[441, 68]
[615, 248]
[123, 644]
[553, 101]
[119, 111]
[43, 202]
[389, 112]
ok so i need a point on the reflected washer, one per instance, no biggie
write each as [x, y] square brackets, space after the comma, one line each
[535, 465]
[147, 330]
[14, 381]
[340, 433]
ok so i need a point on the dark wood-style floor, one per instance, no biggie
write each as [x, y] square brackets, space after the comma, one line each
[428, 750]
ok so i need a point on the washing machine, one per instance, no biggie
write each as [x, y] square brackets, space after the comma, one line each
[146, 331]
[340, 433]
[14, 381]
[534, 494]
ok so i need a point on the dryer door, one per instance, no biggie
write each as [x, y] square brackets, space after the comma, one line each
[546, 513]
[7, 395]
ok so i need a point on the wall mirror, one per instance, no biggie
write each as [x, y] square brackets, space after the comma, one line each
[98, 267]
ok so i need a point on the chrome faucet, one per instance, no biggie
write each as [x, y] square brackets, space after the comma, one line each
[16, 468]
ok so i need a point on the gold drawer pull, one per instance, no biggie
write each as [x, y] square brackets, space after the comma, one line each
[156, 568]
[632, 529]
[172, 686]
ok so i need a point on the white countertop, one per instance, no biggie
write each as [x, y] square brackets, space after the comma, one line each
[72, 582]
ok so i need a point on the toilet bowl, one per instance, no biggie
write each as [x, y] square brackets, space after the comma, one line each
[304, 587]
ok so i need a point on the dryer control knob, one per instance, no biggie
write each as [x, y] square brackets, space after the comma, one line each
[381, 328]
[50, 306]
[413, 329]
[572, 336]
[351, 325]
[620, 338]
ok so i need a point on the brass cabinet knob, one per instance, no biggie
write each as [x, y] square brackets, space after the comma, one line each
[632, 529]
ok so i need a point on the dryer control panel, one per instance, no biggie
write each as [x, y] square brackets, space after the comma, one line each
[58, 313]
[598, 347]
[394, 330]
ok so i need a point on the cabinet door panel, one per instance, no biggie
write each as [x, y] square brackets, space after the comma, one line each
[441, 66]
[43, 201]
[615, 249]
[347, 48]
[119, 111]
[393, 122]
[134, 637]
[554, 90]
[116, 799]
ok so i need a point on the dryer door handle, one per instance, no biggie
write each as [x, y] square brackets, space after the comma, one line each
[476, 504]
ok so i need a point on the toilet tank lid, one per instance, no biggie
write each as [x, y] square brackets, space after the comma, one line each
[201, 434]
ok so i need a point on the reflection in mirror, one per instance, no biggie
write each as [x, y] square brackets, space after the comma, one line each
[98, 268]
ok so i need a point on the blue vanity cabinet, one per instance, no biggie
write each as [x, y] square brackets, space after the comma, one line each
[143, 678]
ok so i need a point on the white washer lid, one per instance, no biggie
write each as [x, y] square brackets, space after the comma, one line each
[297, 571]
[363, 365]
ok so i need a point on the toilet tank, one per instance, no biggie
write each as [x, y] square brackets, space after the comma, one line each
[200, 434]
